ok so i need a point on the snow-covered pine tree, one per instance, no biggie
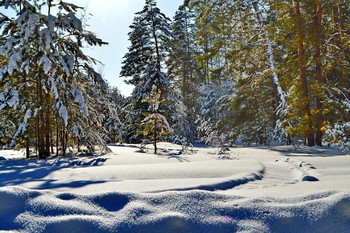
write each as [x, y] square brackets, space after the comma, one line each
[113, 110]
[47, 76]
[183, 68]
[145, 61]
[216, 79]
[314, 63]
[214, 114]
[184, 74]
[337, 130]
[155, 125]
[236, 48]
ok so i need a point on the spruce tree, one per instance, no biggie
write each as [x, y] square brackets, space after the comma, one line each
[145, 62]
[154, 126]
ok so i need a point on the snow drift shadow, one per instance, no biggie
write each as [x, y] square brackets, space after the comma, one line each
[18, 172]
[307, 151]
[175, 156]
[227, 183]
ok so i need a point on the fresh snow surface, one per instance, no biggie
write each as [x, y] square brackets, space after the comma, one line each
[270, 189]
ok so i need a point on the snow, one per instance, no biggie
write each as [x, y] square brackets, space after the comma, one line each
[46, 34]
[75, 131]
[54, 90]
[245, 190]
[10, 98]
[30, 24]
[62, 111]
[276, 80]
[64, 66]
[23, 126]
[70, 62]
[46, 63]
[79, 99]
[76, 23]
[13, 63]
[8, 45]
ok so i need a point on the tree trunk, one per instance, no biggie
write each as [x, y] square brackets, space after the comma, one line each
[281, 94]
[47, 127]
[40, 138]
[57, 135]
[51, 142]
[155, 146]
[338, 20]
[44, 151]
[64, 141]
[187, 67]
[302, 73]
[27, 148]
[155, 37]
[155, 136]
[318, 73]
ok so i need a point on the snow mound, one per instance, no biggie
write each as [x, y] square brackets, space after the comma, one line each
[228, 182]
[302, 171]
[24, 210]
[86, 175]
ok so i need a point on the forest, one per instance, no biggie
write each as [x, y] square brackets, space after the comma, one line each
[221, 72]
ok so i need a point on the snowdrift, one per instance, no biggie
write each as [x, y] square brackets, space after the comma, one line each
[86, 175]
[24, 210]
[246, 190]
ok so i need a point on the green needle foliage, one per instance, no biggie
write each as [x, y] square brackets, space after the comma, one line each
[48, 87]
[155, 126]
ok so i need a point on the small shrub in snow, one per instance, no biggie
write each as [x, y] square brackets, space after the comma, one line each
[339, 134]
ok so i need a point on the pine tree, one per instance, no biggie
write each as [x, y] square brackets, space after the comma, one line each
[113, 111]
[47, 77]
[236, 48]
[335, 72]
[146, 61]
[213, 113]
[155, 125]
[185, 74]
[292, 55]
[182, 63]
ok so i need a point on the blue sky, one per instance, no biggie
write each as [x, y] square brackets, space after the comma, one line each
[110, 20]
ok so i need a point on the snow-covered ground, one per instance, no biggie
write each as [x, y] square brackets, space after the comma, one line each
[272, 189]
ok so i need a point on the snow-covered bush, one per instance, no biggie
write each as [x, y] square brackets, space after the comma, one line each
[339, 134]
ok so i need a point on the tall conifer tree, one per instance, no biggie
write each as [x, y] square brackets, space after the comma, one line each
[46, 80]
[185, 73]
[145, 63]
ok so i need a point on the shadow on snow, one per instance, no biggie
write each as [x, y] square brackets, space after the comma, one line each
[18, 172]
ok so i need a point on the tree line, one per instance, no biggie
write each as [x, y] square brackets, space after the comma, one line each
[220, 72]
